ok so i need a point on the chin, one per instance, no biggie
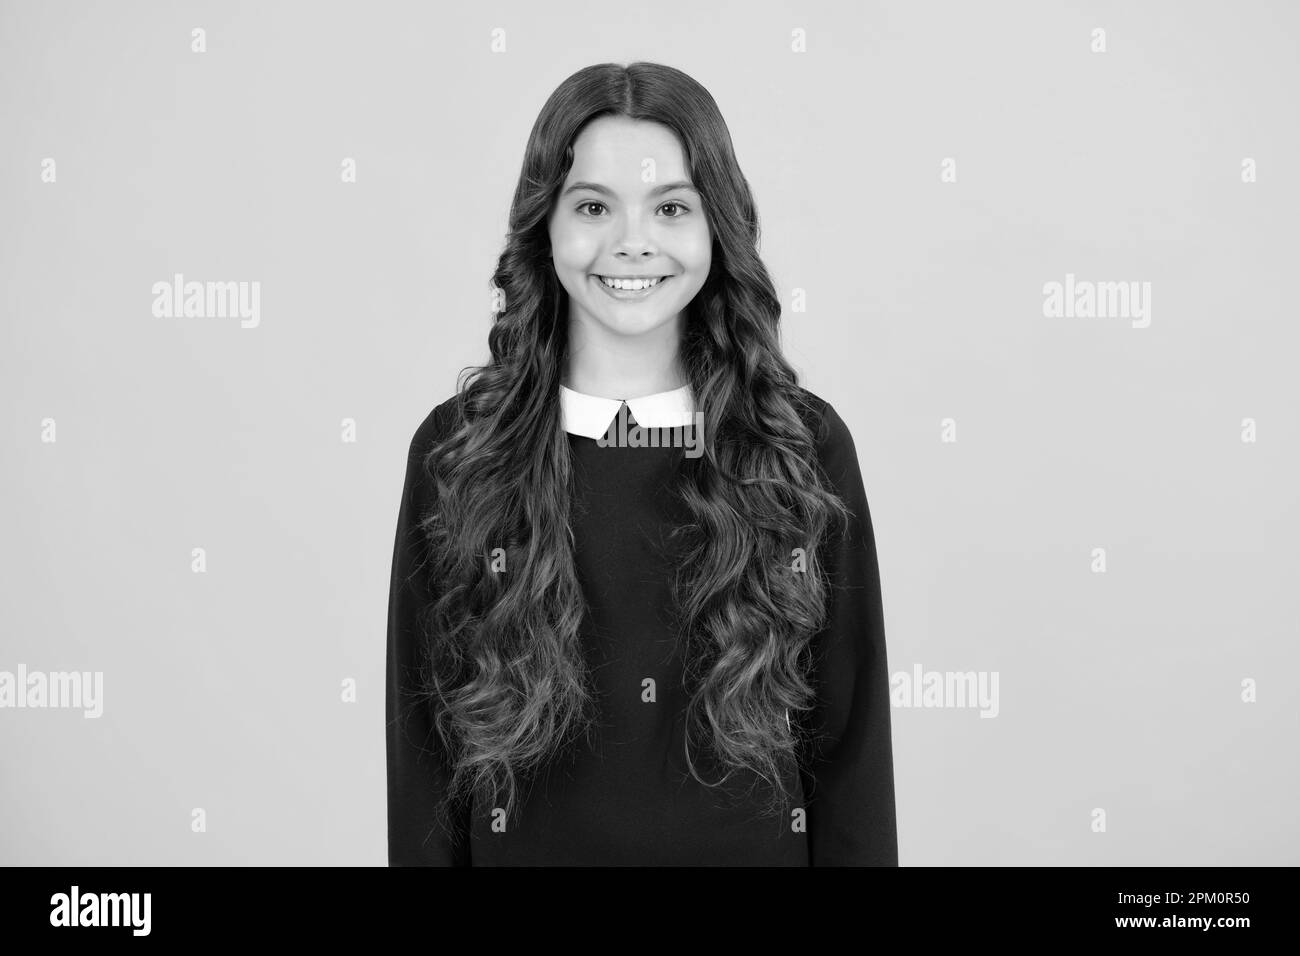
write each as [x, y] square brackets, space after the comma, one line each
[634, 324]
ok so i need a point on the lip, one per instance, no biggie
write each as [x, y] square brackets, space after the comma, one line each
[624, 295]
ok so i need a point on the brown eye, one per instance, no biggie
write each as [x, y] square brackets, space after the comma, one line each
[588, 205]
[676, 205]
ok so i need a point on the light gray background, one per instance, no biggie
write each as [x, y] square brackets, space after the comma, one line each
[1119, 691]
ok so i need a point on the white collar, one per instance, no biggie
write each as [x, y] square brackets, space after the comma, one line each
[590, 415]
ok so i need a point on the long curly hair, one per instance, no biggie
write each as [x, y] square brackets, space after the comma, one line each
[504, 669]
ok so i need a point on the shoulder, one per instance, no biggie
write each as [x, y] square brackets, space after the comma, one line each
[438, 425]
[837, 454]
[831, 435]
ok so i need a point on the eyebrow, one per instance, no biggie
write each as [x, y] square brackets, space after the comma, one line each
[606, 191]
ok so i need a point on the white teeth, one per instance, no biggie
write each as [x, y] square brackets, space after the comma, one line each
[629, 285]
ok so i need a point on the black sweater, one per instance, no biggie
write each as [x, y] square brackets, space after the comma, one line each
[629, 799]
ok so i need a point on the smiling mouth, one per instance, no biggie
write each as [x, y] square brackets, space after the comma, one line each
[629, 288]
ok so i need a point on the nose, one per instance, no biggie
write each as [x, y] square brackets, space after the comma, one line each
[633, 241]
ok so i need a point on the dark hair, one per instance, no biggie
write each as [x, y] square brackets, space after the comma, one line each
[505, 671]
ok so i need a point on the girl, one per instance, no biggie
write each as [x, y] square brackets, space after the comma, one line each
[635, 614]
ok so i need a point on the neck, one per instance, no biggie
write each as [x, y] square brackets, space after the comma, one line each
[609, 366]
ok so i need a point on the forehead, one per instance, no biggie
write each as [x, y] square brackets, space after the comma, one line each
[614, 149]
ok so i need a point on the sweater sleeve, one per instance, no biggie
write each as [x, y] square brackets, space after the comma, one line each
[417, 769]
[849, 775]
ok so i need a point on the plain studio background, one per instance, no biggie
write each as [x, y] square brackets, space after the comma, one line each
[914, 304]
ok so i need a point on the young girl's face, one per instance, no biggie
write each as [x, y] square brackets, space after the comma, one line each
[627, 209]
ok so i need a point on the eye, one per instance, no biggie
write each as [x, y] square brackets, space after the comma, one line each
[584, 208]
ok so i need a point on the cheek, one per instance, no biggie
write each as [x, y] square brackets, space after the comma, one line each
[696, 252]
[572, 250]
